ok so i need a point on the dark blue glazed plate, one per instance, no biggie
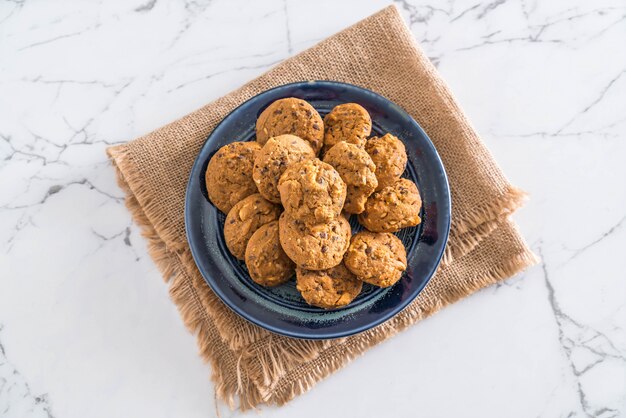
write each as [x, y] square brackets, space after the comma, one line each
[282, 310]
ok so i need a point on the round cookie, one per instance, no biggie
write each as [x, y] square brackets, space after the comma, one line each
[392, 208]
[273, 159]
[328, 289]
[291, 116]
[348, 122]
[228, 176]
[244, 219]
[357, 169]
[318, 247]
[312, 191]
[376, 258]
[267, 263]
[389, 156]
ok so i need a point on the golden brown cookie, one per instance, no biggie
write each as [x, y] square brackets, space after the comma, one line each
[356, 168]
[229, 174]
[348, 122]
[244, 219]
[317, 247]
[312, 191]
[291, 116]
[392, 208]
[274, 158]
[328, 289]
[267, 263]
[389, 156]
[378, 258]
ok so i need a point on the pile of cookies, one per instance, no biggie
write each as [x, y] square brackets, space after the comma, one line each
[287, 209]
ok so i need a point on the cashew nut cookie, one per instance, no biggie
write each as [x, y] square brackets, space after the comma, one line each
[312, 191]
[357, 169]
[328, 289]
[267, 263]
[348, 122]
[318, 247]
[291, 116]
[378, 258]
[244, 219]
[228, 176]
[272, 160]
[392, 208]
[389, 156]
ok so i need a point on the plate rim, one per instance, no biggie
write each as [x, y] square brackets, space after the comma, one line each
[320, 335]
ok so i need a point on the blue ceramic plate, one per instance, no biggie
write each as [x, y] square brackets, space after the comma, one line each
[282, 309]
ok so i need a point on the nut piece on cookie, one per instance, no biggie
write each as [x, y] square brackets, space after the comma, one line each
[244, 219]
[392, 208]
[328, 289]
[389, 156]
[291, 116]
[267, 263]
[317, 247]
[273, 159]
[228, 176]
[378, 258]
[348, 122]
[312, 191]
[357, 169]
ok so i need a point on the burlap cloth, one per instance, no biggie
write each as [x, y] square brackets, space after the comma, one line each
[379, 53]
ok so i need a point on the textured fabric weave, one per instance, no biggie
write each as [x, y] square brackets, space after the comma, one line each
[251, 365]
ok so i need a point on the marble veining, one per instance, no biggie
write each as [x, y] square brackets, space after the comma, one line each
[16, 398]
[86, 327]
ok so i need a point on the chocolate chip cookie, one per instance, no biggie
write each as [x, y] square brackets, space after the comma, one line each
[328, 289]
[291, 116]
[357, 169]
[312, 191]
[392, 208]
[389, 156]
[267, 263]
[229, 174]
[348, 122]
[244, 219]
[272, 160]
[376, 258]
[317, 247]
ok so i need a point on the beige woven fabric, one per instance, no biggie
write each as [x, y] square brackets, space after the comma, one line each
[378, 53]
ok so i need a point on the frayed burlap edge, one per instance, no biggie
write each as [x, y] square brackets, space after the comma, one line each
[469, 228]
[212, 347]
[223, 318]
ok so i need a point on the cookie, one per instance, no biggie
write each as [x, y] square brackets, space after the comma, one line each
[318, 247]
[392, 208]
[348, 122]
[378, 258]
[312, 191]
[291, 116]
[244, 219]
[228, 176]
[267, 263]
[328, 289]
[357, 169]
[274, 158]
[389, 156]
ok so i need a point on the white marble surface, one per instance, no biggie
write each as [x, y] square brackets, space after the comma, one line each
[86, 327]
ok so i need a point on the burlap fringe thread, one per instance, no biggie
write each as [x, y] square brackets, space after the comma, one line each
[261, 380]
[468, 229]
